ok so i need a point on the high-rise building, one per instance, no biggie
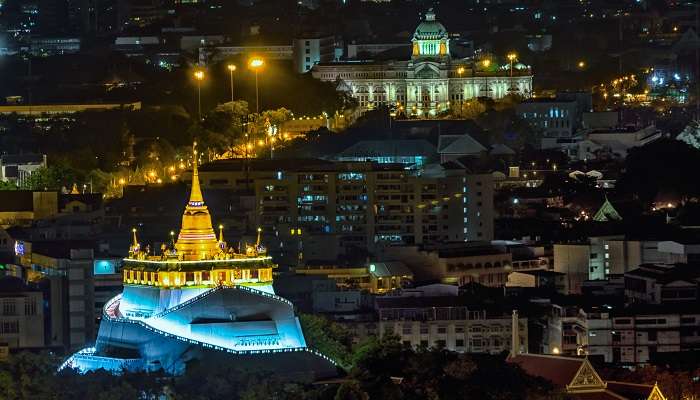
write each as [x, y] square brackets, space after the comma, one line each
[319, 210]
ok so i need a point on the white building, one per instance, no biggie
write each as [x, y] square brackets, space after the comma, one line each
[637, 336]
[21, 314]
[431, 80]
[308, 51]
[18, 168]
[449, 322]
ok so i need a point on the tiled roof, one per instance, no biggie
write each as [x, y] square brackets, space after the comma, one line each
[632, 391]
[558, 370]
[386, 148]
[459, 144]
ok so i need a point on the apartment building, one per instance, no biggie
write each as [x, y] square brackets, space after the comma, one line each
[639, 334]
[67, 267]
[322, 209]
[601, 257]
[449, 322]
[21, 314]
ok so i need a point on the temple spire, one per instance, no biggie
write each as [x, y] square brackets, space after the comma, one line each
[196, 240]
[196, 198]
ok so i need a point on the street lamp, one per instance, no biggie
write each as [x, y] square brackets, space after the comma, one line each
[581, 64]
[231, 69]
[511, 57]
[486, 63]
[199, 76]
[460, 71]
[255, 64]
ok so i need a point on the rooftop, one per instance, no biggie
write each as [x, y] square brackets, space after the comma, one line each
[388, 148]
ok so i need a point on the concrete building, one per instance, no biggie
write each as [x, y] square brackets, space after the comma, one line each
[69, 268]
[376, 277]
[430, 80]
[604, 256]
[21, 314]
[555, 118]
[331, 208]
[638, 335]
[39, 110]
[21, 207]
[448, 322]
[460, 263]
[613, 143]
[363, 50]
[310, 50]
[663, 283]
[269, 52]
[18, 168]
[51, 46]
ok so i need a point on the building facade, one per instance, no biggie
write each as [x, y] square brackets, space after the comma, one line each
[310, 50]
[444, 322]
[639, 335]
[350, 205]
[431, 80]
[21, 314]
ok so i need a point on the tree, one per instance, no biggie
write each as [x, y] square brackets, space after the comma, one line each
[55, 177]
[663, 166]
[7, 186]
[328, 337]
[470, 109]
[350, 391]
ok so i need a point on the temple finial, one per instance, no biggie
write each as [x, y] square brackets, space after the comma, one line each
[221, 233]
[135, 240]
[196, 198]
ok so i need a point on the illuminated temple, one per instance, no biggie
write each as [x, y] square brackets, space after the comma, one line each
[199, 299]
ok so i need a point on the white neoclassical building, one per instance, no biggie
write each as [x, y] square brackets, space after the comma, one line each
[431, 80]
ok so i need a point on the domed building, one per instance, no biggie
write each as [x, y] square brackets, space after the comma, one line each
[200, 299]
[432, 81]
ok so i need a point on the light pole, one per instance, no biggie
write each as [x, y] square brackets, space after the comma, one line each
[460, 71]
[231, 69]
[199, 76]
[511, 57]
[486, 63]
[255, 64]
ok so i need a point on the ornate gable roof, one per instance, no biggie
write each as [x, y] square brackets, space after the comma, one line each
[586, 378]
[607, 212]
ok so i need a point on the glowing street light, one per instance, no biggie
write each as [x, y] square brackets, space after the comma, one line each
[486, 63]
[511, 57]
[199, 76]
[231, 69]
[256, 64]
[581, 64]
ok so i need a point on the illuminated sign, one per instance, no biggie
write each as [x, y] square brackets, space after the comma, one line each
[19, 248]
[104, 267]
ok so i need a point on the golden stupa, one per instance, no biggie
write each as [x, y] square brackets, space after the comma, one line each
[196, 240]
